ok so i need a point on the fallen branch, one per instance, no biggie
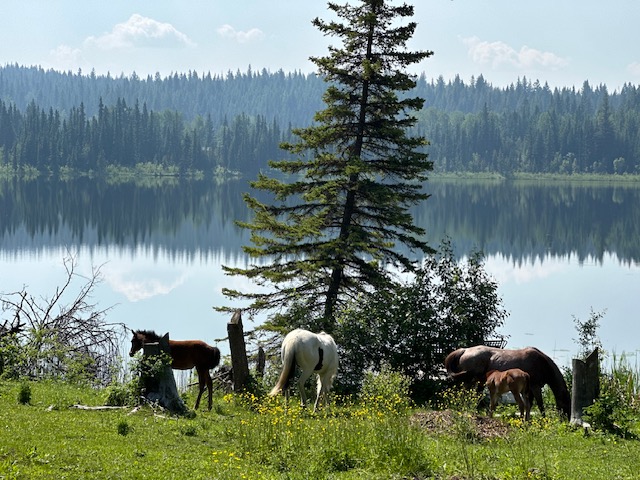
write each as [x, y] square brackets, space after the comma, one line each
[99, 407]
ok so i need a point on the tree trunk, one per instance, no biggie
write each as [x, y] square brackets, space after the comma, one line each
[586, 385]
[159, 384]
[238, 349]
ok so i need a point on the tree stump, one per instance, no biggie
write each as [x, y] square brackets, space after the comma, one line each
[586, 385]
[158, 380]
[238, 348]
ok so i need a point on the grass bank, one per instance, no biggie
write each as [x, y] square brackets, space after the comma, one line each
[250, 437]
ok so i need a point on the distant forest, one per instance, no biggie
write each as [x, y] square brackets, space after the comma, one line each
[192, 122]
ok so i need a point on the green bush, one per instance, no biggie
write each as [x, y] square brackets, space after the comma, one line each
[121, 394]
[386, 390]
[24, 394]
[123, 428]
[616, 408]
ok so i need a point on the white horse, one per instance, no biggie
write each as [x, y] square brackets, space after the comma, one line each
[312, 352]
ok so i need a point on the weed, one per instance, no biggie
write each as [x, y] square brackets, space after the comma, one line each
[24, 394]
[123, 428]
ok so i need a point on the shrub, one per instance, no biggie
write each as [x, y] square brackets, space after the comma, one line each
[24, 394]
[123, 428]
[121, 394]
[386, 390]
[616, 407]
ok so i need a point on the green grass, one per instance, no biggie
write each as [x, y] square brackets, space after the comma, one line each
[249, 437]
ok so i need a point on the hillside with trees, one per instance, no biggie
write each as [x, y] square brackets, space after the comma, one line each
[200, 122]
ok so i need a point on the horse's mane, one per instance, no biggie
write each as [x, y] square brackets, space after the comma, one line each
[150, 335]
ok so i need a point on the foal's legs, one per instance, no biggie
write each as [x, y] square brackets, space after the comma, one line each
[493, 401]
[204, 381]
[521, 402]
[209, 386]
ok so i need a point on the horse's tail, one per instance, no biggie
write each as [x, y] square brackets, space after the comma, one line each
[452, 361]
[213, 358]
[288, 370]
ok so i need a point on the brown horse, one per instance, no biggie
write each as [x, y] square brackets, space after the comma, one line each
[474, 363]
[185, 355]
[515, 381]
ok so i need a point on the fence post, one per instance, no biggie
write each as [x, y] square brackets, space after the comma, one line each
[238, 348]
[586, 385]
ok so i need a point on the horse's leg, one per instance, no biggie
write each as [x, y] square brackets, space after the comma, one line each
[537, 394]
[201, 383]
[521, 404]
[493, 401]
[321, 392]
[527, 406]
[301, 381]
[209, 386]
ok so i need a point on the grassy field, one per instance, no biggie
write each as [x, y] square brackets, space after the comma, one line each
[248, 437]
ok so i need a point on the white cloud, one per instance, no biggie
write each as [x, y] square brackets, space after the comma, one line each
[134, 290]
[227, 31]
[505, 271]
[499, 54]
[634, 69]
[140, 31]
[66, 57]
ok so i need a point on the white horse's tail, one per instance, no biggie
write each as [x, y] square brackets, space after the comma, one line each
[288, 370]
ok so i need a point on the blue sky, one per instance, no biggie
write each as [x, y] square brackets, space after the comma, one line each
[562, 43]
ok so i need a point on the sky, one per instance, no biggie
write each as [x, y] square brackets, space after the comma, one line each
[561, 43]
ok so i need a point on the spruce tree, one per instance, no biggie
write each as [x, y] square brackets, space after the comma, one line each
[340, 207]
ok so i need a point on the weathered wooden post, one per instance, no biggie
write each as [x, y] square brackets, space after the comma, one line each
[586, 385]
[261, 361]
[238, 348]
[159, 384]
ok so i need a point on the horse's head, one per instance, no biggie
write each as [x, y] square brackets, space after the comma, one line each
[136, 343]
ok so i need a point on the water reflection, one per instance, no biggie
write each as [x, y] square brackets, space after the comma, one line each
[522, 221]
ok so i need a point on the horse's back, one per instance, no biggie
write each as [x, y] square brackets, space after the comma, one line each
[306, 346]
[188, 354]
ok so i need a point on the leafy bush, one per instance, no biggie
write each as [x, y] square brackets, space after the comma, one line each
[11, 357]
[386, 390]
[414, 325]
[617, 408]
[24, 394]
[121, 394]
[123, 428]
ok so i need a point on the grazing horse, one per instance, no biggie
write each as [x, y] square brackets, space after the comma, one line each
[515, 381]
[474, 363]
[185, 355]
[312, 352]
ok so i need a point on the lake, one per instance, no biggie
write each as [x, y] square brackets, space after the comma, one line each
[557, 250]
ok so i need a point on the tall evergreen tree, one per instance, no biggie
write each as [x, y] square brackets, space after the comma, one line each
[341, 209]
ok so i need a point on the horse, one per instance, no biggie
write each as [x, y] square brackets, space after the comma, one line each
[312, 352]
[474, 363]
[185, 355]
[514, 380]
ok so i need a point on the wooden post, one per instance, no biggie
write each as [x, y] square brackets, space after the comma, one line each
[261, 362]
[238, 348]
[160, 386]
[586, 385]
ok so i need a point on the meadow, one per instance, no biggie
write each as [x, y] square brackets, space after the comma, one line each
[377, 435]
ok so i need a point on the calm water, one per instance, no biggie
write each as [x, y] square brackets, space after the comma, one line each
[557, 251]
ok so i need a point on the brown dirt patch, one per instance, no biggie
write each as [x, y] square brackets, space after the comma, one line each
[450, 422]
